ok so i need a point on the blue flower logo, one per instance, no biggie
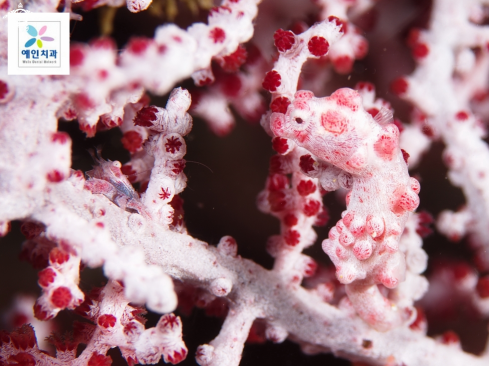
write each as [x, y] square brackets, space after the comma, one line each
[33, 32]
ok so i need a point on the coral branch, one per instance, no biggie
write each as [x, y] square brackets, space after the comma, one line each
[346, 141]
[226, 348]
[448, 76]
[315, 322]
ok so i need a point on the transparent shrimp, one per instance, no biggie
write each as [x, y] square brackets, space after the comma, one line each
[107, 178]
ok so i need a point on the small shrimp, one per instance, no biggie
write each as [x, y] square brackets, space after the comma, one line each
[107, 178]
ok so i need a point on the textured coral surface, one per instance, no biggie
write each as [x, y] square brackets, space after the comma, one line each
[258, 182]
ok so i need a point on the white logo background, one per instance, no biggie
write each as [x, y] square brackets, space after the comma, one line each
[32, 60]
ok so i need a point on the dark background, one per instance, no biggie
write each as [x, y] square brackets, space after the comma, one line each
[226, 174]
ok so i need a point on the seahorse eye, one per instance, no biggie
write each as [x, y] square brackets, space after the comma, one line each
[299, 121]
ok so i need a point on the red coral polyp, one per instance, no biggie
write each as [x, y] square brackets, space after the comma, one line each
[272, 81]
[420, 50]
[46, 277]
[138, 45]
[55, 176]
[343, 64]
[277, 201]
[60, 137]
[146, 116]
[132, 141]
[218, 35]
[175, 357]
[483, 287]
[284, 40]
[31, 229]
[40, 313]
[99, 360]
[318, 46]
[22, 359]
[164, 193]
[341, 23]
[58, 256]
[277, 182]
[308, 164]
[280, 145]
[172, 145]
[168, 321]
[61, 297]
[280, 105]
[77, 55]
[306, 187]
[311, 207]
[399, 86]
[292, 237]
[290, 220]
[107, 321]
[233, 61]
